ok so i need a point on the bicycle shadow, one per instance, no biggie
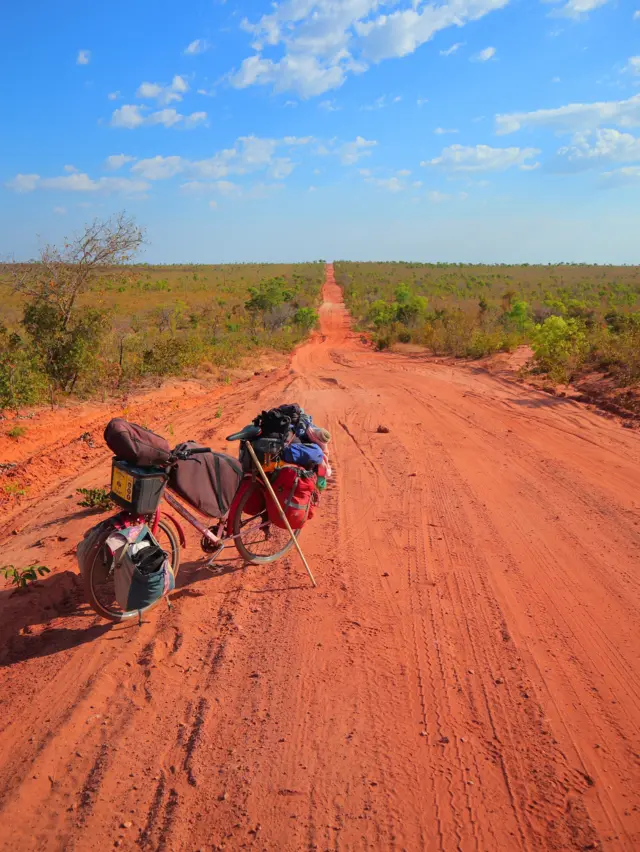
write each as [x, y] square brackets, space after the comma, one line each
[27, 617]
[195, 572]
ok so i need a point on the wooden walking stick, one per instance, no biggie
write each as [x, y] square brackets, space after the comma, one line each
[265, 479]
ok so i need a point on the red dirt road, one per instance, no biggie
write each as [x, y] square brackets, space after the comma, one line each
[464, 678]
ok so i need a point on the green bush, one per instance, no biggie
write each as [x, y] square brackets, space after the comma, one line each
[559, 347]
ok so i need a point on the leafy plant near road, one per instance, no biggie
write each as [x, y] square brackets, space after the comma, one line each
[83, 320]
[95, 498]
[22, 577]
[575, 317]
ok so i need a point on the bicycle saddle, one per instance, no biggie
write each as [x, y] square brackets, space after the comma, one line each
[249, 433]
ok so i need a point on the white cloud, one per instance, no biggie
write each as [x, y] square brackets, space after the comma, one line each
[78, 182]
[636, 15]
[164, 94]
[199, 45]
[60, 211]
[298, 140]
[131, 116]
[578, 8]
[633, 65]
[84, 57]
[117, 161]
[159, 168]
[303, 74]
[392, 184]
[481, 158]
[453, 49]
[601, 146]
[248, 155]
[627, 176]
[70, 169]
[442, 131]
[213, 204]
[404, 173]
[23, 183]
[329, 106]
[574, 117]
[324, 41]
[484, 55]
[351, 152]
[422, 101]
[555, 80]
[113, 96]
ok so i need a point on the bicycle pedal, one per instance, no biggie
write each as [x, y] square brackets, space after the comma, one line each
[213, 558]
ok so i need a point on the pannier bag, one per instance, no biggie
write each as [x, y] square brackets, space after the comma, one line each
[295, 489]
[142, 573]
[208, 482]
[135, 444]
[305, 455]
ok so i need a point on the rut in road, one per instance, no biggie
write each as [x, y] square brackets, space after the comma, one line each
[464, 678]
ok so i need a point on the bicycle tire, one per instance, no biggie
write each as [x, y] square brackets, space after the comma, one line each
[243, 545]
[101, 562]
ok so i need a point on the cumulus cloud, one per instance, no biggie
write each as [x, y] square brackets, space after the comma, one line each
[84, 57]
[249, 154]
[23, 183]
[442, 131]
[117, 161]
[591, 148]
[78, 182]
[131, 116]
[164, 95]
[113, 96]
[481, 158]
[574, 117]
[437, 197]
[329, 106]
[324, 41]
[484, 55]
[199, 45]
[636, 15]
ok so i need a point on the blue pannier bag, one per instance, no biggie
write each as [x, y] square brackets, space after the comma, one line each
[142, 571]
[307, 456]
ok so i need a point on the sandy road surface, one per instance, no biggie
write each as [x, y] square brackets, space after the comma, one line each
[465, 677]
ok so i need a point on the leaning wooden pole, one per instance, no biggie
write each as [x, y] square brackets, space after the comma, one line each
[265, 479]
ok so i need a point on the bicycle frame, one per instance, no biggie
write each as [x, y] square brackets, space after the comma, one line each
[217, 541]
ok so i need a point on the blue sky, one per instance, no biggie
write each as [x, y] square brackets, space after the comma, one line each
[468, 130]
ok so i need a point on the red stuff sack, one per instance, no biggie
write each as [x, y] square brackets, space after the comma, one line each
[295, 489]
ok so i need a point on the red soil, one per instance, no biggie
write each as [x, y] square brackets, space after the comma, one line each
[465, 676]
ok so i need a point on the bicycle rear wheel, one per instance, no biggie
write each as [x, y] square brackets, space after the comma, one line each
[99, 579]
[257, 540]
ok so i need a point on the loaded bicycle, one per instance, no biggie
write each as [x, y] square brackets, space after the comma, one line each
[226, 500]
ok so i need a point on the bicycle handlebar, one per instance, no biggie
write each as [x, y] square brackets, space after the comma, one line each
[183, 455]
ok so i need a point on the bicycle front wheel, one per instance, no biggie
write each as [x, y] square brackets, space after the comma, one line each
[256, 540]
[99, 580]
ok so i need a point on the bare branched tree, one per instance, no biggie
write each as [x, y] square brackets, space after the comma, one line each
[61, 275]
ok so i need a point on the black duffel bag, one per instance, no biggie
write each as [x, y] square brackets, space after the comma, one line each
[208, 481]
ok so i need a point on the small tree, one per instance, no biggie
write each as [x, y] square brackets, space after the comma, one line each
[65, 337]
